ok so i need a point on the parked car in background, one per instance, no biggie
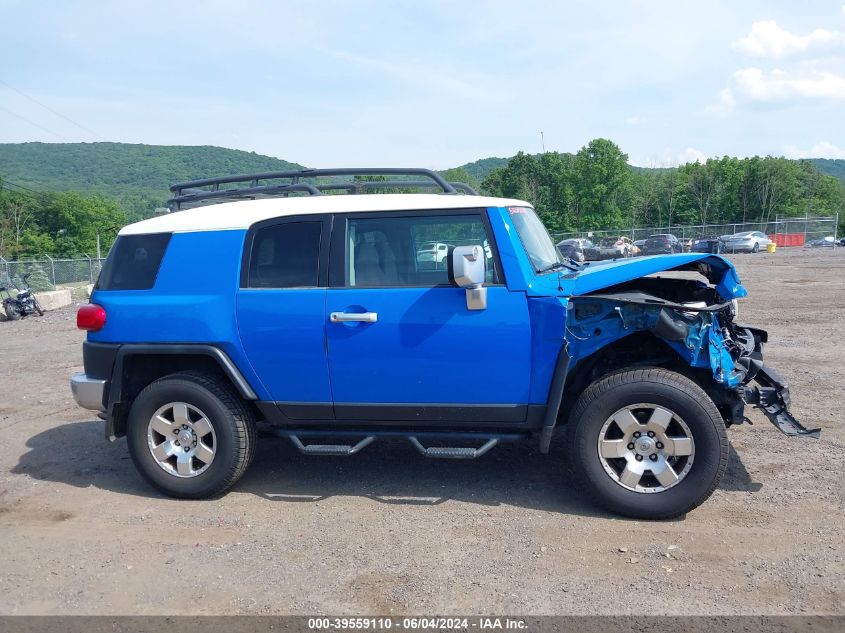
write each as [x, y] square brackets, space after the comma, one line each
[577, 249]
[825, 242]
[639, 244]
[661, 244]
[708, 244]
[432, 254]
[613, 247]
[745, 242]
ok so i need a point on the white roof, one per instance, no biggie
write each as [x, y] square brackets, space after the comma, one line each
[243, 213]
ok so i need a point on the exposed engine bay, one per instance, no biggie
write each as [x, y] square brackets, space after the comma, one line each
[692, 319]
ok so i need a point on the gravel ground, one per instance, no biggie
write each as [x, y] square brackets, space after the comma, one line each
[389, 532]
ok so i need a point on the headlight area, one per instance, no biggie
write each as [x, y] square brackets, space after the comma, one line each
[634, 328]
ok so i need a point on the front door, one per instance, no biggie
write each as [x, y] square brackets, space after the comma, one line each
[402, 345]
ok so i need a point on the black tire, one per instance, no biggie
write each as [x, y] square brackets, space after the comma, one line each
[756, 247]
[37, 305]
[664, 388]
[231, 418]
[12, 311]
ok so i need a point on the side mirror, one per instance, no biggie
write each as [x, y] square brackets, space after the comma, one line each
[467, 268]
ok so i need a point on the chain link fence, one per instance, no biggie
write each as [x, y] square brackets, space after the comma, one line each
[809, 228]
[47, 273]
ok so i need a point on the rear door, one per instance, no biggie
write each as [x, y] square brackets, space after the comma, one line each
[412, 352]
[281, 307]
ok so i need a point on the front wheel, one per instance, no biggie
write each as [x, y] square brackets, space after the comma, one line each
[190, 435]
[649, 443]
[37, 306]
[756, 247]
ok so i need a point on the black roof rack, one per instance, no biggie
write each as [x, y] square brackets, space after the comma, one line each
[312, 182]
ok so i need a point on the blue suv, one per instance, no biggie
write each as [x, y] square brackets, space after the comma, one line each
[275, 300]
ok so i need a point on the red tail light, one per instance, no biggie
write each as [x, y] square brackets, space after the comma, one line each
[91, 317]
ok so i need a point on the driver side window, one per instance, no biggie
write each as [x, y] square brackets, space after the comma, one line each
[410, 251]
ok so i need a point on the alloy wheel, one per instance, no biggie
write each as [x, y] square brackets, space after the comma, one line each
[181, 439]
[646, 448]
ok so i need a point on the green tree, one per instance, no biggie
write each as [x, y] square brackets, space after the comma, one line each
[74, 220]
[602, 184]
[459, 174]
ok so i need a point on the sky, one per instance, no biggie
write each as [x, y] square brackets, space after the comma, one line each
[431, 84]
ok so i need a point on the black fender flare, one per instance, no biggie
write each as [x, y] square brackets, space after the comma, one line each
[555, 397]
[180, 349]
[115, 409]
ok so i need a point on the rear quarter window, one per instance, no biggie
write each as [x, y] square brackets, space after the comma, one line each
[286, 255]
[133, 262]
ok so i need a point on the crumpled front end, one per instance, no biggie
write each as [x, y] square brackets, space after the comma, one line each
[697, 321]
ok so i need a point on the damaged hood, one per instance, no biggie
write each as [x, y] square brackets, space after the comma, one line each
[596, 276]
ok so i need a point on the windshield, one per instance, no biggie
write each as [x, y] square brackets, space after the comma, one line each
[535, 238]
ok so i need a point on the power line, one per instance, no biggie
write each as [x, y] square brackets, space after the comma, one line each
[33, 123]
[58, 114]
[8, 184]
[4, 182]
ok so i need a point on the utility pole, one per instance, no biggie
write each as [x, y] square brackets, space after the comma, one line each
[542, 141]
[98, 245]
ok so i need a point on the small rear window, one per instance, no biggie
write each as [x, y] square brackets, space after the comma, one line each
[286, 255]
[133, 262]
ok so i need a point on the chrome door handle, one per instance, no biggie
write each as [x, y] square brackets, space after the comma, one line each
[345, 317]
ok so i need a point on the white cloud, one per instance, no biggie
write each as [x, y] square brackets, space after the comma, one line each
[691, 155]
[725, 104]
[823, 149]
[775, 86]
[767, 39]
[669, 157]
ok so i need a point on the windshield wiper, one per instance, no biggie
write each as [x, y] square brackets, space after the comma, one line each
[557, 266]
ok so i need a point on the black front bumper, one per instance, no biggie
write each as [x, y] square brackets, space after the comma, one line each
[771, 396]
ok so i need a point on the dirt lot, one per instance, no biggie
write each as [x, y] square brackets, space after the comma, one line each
[390, 532]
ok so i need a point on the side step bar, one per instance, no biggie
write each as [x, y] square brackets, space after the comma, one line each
[331, 449]
[364, 438]
[458, 452]
[772, 397]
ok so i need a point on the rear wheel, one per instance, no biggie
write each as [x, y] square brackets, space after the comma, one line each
[190, 435]
[12, 311]
[756, 247]
[649, 443]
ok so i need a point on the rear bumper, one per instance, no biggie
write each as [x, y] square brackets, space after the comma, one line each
[88, 392]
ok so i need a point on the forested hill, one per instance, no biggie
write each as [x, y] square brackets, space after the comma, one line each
[138, 176]
[480, 169]
[831, 167]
